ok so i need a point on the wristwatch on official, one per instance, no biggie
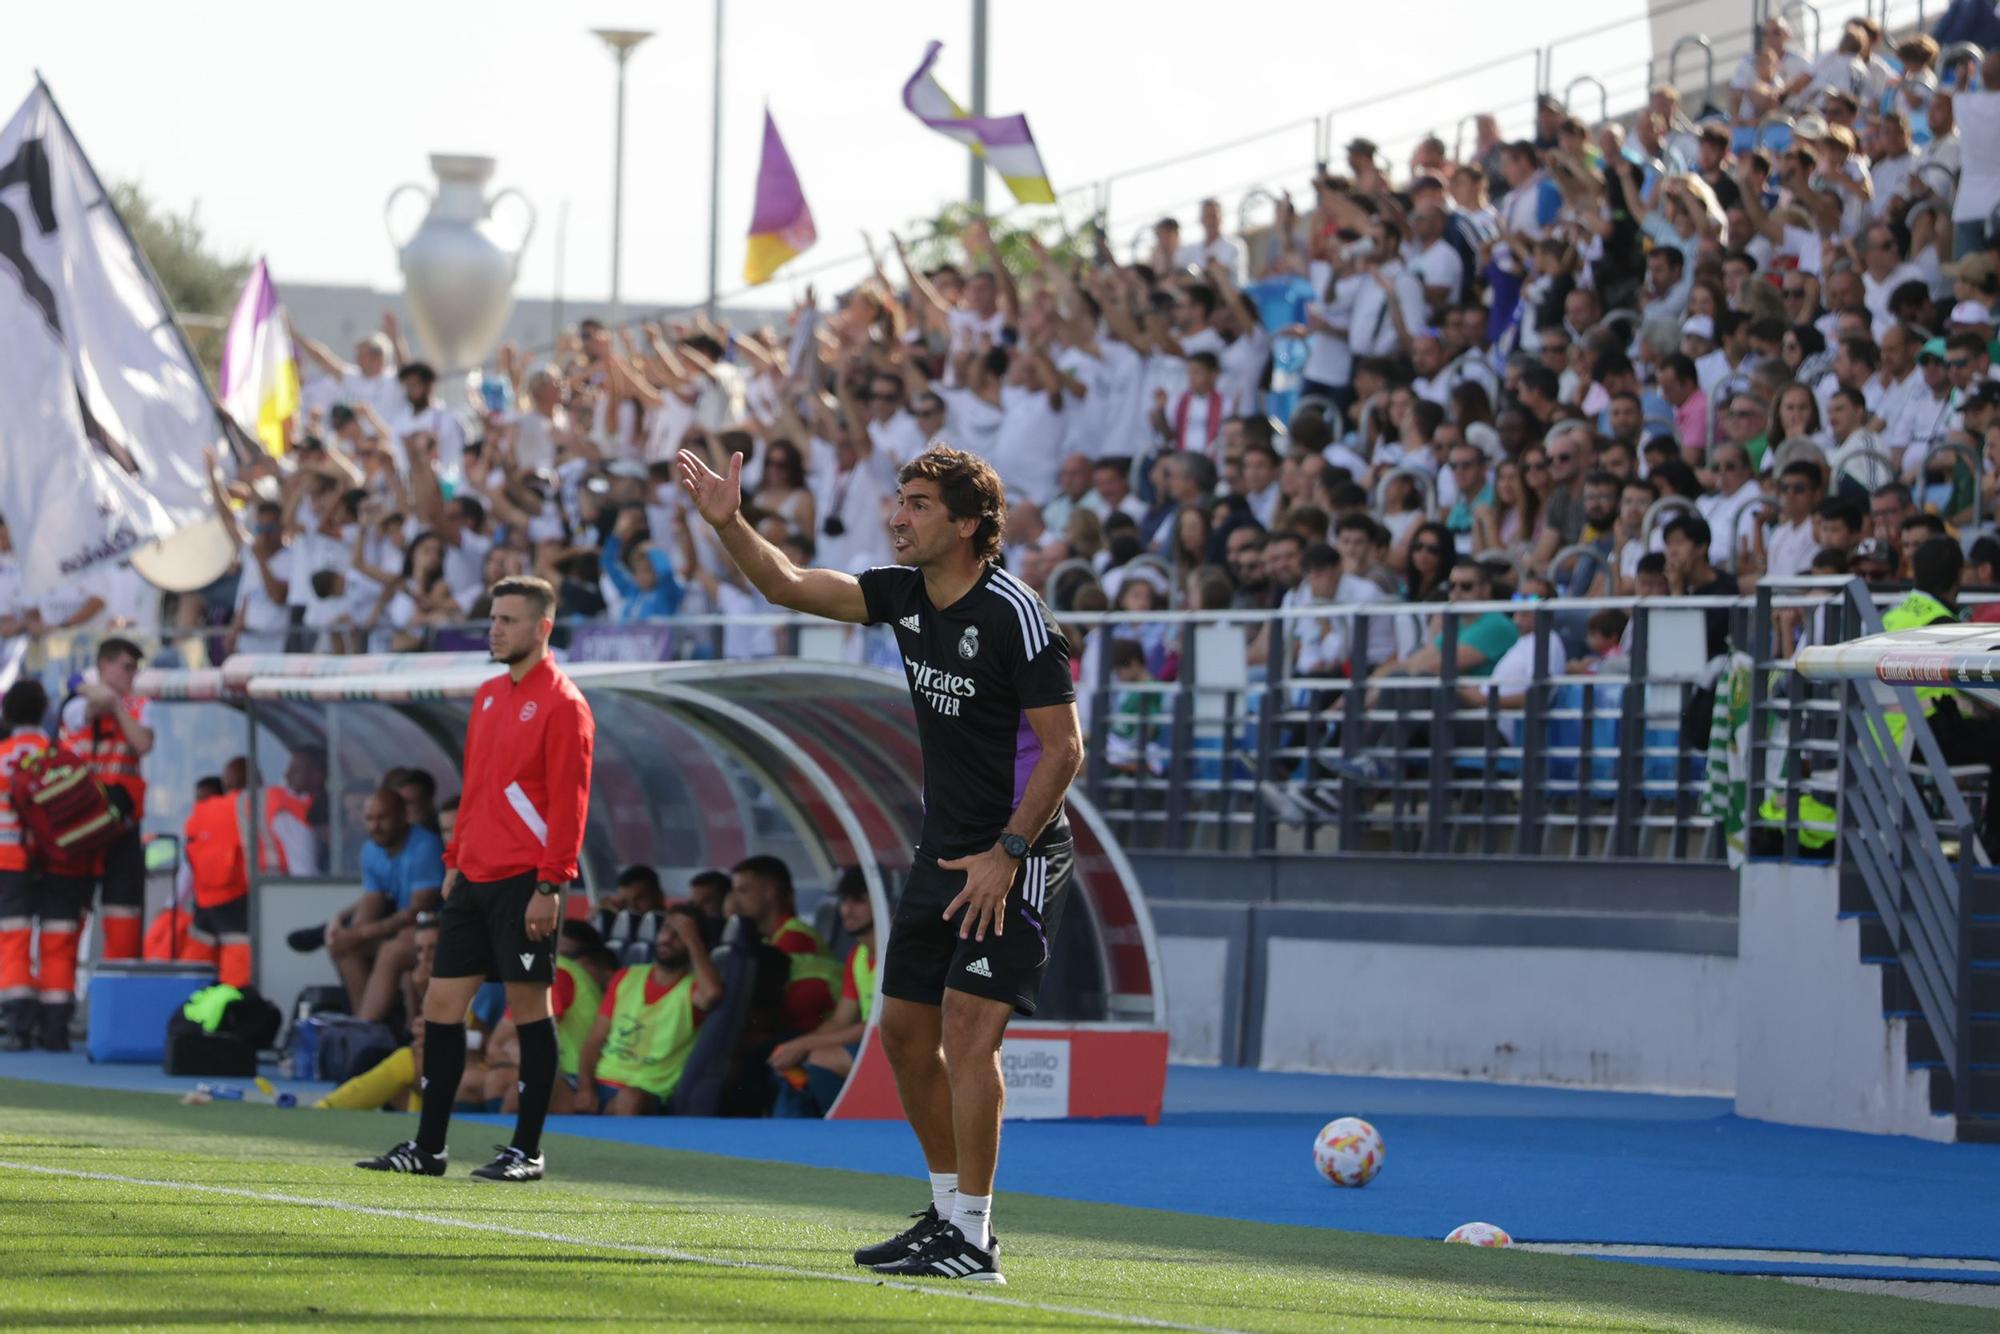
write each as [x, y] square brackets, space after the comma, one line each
[544, 887]
[1014, 846]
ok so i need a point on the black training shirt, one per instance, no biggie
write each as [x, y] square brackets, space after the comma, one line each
[974, 668]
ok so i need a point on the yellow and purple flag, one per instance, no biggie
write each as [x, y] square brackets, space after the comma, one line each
[260, 372]
[781, 226]
[1003, 141]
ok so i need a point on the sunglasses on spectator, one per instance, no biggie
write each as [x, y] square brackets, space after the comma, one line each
[1525, 597]
[1564, 457]
[1732, 465]
[1464, 585]
[1536, 465]
[1957, 363]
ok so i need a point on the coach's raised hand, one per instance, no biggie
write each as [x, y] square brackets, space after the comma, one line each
[717, 498]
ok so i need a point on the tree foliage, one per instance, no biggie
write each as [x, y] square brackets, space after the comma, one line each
[197, 280]
[1010, 240]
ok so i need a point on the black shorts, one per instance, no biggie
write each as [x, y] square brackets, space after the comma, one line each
[222, 922]
[925, 955]
[482, 932]
[43, 897]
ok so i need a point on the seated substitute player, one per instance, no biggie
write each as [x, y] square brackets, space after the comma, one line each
[526, 791]
[639, 1043]
[996, 715]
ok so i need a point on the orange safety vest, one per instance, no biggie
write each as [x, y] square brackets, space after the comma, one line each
[13, 839]
[101, 744]
[270, 852]
[214, 851]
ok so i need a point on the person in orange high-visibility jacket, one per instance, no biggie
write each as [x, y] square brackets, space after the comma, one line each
[220, 871]
[104, 725]
[37, 975]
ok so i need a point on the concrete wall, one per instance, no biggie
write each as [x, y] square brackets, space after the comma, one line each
[1611, 1019]
[1813, 1047]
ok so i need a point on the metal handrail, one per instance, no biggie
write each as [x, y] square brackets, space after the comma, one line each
[1763, 504]
[1603, 95]
[1876, 459]
[1960, 53]
[1426, 488]
[1657, 511]
[1707, 49]
[1792, 6]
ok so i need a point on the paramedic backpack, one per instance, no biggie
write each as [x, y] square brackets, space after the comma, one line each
[64, 811]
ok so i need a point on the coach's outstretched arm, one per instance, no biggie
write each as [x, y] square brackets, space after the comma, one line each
[719, 500]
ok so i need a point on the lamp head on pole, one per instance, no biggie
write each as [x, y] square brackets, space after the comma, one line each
[621, 40]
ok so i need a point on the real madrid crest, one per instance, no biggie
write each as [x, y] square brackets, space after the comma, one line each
[968, 643]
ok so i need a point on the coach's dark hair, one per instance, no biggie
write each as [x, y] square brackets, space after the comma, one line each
[773, 869]
[527, 586]
[25, 703]
[969, 488]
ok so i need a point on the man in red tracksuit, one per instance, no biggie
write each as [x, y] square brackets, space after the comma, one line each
[521, 811]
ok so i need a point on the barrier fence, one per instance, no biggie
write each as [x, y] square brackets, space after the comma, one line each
[1210, 747]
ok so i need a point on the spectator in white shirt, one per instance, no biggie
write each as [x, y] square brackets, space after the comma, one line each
[1789, 541]
[370, 378]
[1111, 489]
[1214, 247]
[1389, 303]
[1735, 492]
[262, 616]
[1432, 258]
[1978, 119]
[1261, 483]
[1885, 251]
[1192, 419]
[1322, 646]
[1792, 73]
[420, 414]
[1027, 451]
[1071, 493]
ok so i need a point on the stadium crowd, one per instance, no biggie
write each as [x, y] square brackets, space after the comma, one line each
[1674, 356]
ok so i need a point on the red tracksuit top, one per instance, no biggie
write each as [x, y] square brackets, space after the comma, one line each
[527, 779]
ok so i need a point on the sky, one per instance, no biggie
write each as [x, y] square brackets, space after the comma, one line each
[288, 126]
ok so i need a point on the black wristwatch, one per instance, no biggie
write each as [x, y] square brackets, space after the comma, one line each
[544, 887]
[1014, 846]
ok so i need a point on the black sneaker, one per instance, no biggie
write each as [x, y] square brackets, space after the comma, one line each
[406, 1157]
[510, 1165]
[947, 1254]
[904, 1243]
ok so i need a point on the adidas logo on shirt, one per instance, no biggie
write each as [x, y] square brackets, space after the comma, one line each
[980, 968]
[912, 624]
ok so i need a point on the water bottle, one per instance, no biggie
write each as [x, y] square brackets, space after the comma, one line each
[221, 1092]
[304, 1055]
[287, 1098]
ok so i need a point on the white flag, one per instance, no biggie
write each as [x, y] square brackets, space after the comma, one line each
[103, 416]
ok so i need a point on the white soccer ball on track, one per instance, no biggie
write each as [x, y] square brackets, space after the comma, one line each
[1348, 1152]
[1480, 1234]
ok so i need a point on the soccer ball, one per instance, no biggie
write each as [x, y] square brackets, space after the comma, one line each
[1480, 1234]
[1348, 1152]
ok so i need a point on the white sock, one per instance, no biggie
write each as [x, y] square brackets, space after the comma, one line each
[944, 1192]
[972, 1215]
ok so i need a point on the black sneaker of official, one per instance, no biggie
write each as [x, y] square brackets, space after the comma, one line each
[406, 1157]
[947, 1254]
[510, 1164]
[904, 1243]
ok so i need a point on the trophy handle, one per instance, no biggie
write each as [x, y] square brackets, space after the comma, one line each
[389, 209]
[528, 231]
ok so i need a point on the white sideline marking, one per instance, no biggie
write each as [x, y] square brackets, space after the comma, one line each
[1857, 1259]
[632, 1248]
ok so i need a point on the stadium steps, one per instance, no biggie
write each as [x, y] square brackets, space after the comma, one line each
[1899, 1001]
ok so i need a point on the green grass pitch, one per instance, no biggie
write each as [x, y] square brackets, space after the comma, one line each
[287, 1234]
